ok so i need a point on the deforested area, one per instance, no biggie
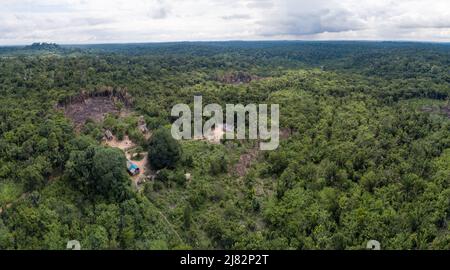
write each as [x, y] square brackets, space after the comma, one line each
[86, 151]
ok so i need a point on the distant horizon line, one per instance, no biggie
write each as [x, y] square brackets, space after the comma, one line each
[229, 41]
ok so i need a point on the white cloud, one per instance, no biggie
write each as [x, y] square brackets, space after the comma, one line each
[96, 21]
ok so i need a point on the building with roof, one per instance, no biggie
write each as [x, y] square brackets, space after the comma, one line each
[132, 168]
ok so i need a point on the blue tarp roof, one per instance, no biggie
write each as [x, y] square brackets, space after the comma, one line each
[132, 166]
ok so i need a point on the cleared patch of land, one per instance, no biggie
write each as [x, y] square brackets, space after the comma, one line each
[94, 108]
[126, 145]
[237, 78]
[245, 161]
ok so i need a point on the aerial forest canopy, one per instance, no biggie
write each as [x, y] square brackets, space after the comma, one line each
[364, 151]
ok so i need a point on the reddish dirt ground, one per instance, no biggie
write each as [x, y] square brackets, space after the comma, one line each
[245, 161]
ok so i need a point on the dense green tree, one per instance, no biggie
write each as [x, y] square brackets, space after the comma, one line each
[99, 171]
[164, 150]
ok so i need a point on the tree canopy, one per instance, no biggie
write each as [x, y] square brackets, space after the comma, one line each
[164, 150]
[364, 151]
[99, 171]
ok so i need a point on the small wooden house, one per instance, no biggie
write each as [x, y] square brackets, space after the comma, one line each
[108, 135]
[143, 128]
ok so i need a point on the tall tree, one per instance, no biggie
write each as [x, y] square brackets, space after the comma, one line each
[164, 150]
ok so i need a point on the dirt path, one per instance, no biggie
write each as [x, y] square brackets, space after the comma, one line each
[171, 226]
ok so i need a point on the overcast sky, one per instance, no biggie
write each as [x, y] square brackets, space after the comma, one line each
[106, 21]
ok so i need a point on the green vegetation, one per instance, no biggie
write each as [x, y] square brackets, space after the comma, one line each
[164, 150]
[99, 171]
[365, 152]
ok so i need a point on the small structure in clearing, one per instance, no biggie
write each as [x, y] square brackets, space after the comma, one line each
[132, 168]
[143, 129]
[127, 146]
[142, 126]
[108, 135]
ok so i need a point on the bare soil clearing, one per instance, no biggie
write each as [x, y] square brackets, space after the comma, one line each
[285, 133]
[237, 78]
[125, 144]
[95, 108]
[215, 136]
[95, 105]
[245, 161]
[142, 164]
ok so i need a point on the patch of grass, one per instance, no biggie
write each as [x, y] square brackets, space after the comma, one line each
[9, 192]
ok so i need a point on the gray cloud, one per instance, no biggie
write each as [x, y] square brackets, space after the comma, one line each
[437, 23]
[311, 23]
[352, 19]
[260, 4]
[81, 21]
[301, 17]
[160, 13]
[160, 10]
[237, 17]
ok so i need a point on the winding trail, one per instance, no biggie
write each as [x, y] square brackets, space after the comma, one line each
[170, 225]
